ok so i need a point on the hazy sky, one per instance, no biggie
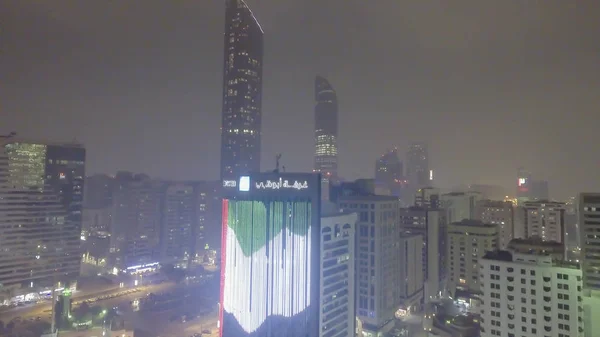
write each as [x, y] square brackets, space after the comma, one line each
[490, 85]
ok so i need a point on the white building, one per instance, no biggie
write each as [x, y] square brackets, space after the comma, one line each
[530, 295]
[431, 225]
[544, 219]
[411, 271]
[337, 313]
[500, 213]
[460, 205]
[468, 242]
[377, 254]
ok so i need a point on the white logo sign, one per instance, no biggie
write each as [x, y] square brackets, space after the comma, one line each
[244, 184]
[281, 184]
[229, 183]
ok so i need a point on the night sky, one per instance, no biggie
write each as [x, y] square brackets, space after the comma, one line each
[490, 85]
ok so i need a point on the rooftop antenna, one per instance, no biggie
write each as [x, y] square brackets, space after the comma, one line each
[277, 158]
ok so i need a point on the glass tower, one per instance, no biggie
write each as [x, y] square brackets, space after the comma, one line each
[242, 91]
[326, 129]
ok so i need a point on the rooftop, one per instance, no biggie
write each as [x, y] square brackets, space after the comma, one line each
[473, 223]
[368, 198]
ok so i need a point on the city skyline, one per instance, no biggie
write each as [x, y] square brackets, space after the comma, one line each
[486, 104]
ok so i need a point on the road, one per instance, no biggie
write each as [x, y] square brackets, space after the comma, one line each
[43, 309]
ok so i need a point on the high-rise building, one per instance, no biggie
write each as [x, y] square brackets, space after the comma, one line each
[411, 271]
[178, 220]
[530, 295]
[389, 173]
[271, 247]
[460, 205]
[41, 194]
[544, 219]
[468, 241]
[242, 91]
[530, 189]
[98, 191]
[431, 225]
[500, 213]
[337, 313]
[589, 229]
[378, 274]
[417, 166]
[540, 190]
[137, 212]
[326, 133]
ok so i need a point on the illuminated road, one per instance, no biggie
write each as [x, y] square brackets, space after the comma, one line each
[43, 310]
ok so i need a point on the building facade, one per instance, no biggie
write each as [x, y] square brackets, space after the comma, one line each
[411, 272]
[326, 133]
[377, 254]
[431, 225]
[41, 188]
[544, 219]
[530, 295]
[500, 213]
[178, 219]
[468, 242]
[271, 246]
[417, 166]
[389, 174]
[337, 313]
[242, 91]
[589, 229]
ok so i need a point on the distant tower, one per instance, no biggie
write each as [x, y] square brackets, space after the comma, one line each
[417, 169]
[242, 91]
[326, 132]
[389, 173]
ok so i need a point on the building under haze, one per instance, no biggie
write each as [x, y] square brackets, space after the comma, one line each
[589, 227]
[270, 269]
[178, 220]
[41, 194]
[326, 133]
[389, 173]
[337, 274]
[377, 261]
[460, 205]
[417, 166]
[242, 91]
[468, 241]
[500, 213]
[544, 219]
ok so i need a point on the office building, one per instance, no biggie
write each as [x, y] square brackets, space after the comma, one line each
[529, 188]
[377, 248]
[418, 172]
[460, 205]
[41, 193]
[137, 212]
[500, 213]
[242, 91]
[411, 272]
[589, 229]
[540, 190]
[544, 219]
[431, 225]
[468, 241]
[326, 133]
[337, 313]
[530, 295]
[178, 220]
[271, 246]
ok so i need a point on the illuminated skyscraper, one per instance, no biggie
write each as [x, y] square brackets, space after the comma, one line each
[242, 91]
[270, 264]
[389, 173]
[326, 132]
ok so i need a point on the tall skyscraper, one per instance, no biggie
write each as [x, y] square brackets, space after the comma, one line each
[270, 264]
[41, 194]
[589, 226]
[417, 166]
[326, 133]
[242, 91]
[178, 221]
